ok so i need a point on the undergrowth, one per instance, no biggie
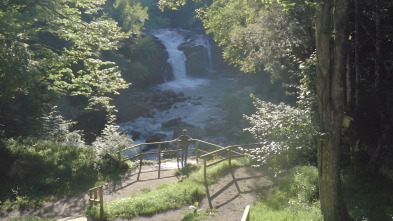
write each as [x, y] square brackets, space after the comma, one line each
[31, 218]
[295, 199]
[44, 169]
[368, 198]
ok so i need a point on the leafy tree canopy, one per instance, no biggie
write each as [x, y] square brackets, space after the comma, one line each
[58, 43]
[258, 36]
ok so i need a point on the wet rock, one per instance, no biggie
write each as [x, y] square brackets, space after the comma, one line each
[176, 122]
[157, 137]
[135, 135]
[163, 100]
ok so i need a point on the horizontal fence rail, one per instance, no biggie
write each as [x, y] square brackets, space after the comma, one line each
[172, 146]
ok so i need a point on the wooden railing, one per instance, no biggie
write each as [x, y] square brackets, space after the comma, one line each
[246, 214]
[96, 196]
[138, 148]
[230, 154]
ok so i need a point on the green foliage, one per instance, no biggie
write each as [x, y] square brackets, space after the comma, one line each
[111, 140]
[31, 218]
[368, 198]
[296, 198]
[262, 36]
[43, 169]
[54, 48]
[282, 130]
[172, 4]
[214, 173]
[130, 15]
[195, 214]
[57, 129]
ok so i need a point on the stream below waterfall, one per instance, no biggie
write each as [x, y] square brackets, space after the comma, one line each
[203, 107]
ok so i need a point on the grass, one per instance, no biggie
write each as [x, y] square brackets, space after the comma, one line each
[31, 218]
[187, 191]
[295, 199]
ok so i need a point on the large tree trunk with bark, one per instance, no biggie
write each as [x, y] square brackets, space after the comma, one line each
[332, 49]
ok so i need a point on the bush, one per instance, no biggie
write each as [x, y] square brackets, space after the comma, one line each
[282, 131]
[296, 198]
[302, 184]
[45, 168]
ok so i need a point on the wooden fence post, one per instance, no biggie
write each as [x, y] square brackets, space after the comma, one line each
[90, 197]
[140, 161]
[230, 156]
[119, 158]
[101, 193]
[177, 153]
[196, 150]
[94, 199]
[159, 160]
[246, 214]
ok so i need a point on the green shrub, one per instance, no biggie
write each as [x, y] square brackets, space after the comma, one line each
[47, 168]
[286, 134]
[31, 218]
[302, 184]
[296, 198]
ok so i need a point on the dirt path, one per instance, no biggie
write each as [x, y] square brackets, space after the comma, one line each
[228, 197]
[69, 208]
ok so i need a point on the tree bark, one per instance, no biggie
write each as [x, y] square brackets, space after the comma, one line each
[331, 42]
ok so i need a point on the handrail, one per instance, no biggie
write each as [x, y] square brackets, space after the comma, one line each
[141, 144]
[140, 155]
[246, 214]
[96, 196]
[197, 152]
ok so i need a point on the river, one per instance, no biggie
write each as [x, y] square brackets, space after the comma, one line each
[203, 107]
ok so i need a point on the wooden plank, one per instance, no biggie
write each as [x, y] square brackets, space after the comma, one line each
[246, 214]
[159, 160]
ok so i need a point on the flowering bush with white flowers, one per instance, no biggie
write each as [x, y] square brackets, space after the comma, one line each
[282, 130]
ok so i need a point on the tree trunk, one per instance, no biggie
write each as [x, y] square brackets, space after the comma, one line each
[331, 43]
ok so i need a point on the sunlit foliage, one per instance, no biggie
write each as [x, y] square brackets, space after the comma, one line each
[257, 36]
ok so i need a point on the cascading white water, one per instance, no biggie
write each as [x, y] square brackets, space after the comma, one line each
[172, 40]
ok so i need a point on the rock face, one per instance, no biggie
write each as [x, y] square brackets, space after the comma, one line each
[163, 100]
[198, 59]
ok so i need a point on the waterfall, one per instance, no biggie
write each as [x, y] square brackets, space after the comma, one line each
[204, 41]
[171, 40]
